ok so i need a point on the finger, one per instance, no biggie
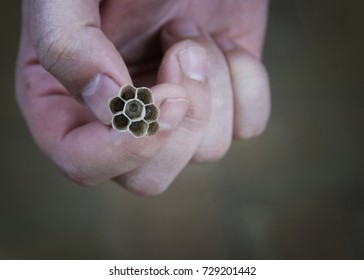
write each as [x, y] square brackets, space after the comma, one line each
[186, 63]
[251, 90]
[95, 153]
[84, 149]
[217, 137]
[69, 44]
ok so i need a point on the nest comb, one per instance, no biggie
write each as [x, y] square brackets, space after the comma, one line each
[133, 110]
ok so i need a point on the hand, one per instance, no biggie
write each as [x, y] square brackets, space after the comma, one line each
[201, 57]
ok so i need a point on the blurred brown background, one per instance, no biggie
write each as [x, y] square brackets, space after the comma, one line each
[295, 192]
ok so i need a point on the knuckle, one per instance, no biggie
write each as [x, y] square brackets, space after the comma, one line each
[143, 186]
[53, 46]
[139, 154]
[49, 48]
[211, 153]
[76, 174]
[246, 133]
[197, 117]
[78, 178]
[151, 191]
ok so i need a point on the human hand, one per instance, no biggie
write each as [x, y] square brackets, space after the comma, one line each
[206, 71]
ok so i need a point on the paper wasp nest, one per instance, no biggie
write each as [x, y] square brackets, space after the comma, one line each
[134, 111]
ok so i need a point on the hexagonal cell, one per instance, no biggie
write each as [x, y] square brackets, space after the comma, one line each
[116, 104]
[134, 109]
[139, 128]
[120, 122]
[153, 128]
[151, 113]
[145, 95]
[127, 92]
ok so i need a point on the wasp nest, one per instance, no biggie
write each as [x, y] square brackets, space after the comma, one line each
[133, 110]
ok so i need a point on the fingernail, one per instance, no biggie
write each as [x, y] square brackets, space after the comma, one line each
[193, 62]
[96, 95]
[182, 29]
[224, 43]
[172, 113]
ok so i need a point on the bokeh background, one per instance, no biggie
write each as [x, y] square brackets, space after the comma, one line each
[295, 192]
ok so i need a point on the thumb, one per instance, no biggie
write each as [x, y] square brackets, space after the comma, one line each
[69, 43]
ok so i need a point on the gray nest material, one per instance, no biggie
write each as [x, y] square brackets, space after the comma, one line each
[134, 111]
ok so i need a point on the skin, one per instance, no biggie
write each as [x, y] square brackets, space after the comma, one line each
[200, 58]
